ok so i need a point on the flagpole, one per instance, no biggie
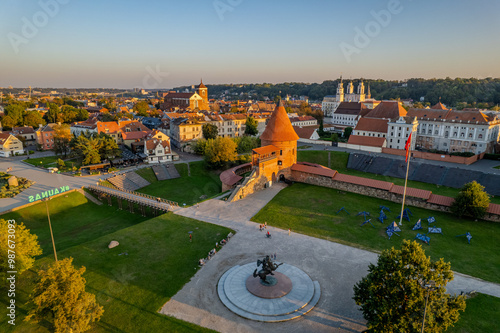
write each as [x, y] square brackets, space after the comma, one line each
[404, 191]
[408, 155]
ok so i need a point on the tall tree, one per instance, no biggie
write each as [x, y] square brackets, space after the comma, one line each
[60, 295]
[471, 201]
[88, 149]
[392, 296]
[141, 108]
[15, 111]
[219, 151]
[109, 149]
[53, 113]
[33, 119]
[21, 249]
[251, 126]
[210, 131]
[62, 139]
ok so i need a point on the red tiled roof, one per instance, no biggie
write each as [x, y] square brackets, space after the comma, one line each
[350, 108]
[440, 200]
[372, 125]
[412, 192]
[363, 181]
[494, 209]
[314, 169]
[134, 135]
[229, 177]
[279, 127]
[370, 141]
[266, 149]
[388, 110]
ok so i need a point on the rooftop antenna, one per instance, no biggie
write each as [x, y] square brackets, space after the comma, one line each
[30, 93]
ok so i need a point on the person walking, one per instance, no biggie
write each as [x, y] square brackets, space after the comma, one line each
[289, 231]
[190, 237]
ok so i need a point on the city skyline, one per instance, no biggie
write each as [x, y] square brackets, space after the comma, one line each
[161, 45]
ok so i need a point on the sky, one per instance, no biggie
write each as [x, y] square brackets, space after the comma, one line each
[161, 44]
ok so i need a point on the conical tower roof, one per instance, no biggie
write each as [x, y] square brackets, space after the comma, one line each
[279, 127]
[201, 84]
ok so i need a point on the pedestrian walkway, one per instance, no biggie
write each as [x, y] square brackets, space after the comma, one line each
[335, 266]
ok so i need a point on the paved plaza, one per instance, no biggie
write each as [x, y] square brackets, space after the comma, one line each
[336, 267]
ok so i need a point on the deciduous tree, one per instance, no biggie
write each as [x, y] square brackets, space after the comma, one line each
[392, 296]
[210, 131]
[251, 126]
[220, 151]
[62, 139]
[471, 201]
[60, 296]
[33, 119]
[23, 245]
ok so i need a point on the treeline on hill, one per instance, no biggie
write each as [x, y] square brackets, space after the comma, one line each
[459, 92]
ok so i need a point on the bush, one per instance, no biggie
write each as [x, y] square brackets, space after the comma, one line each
[471, 201]
[463, 154]
[495, 157]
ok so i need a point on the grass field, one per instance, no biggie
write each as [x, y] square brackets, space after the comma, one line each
[338, 161]
[148, 174]
[311, 210]
[132, 281]
[51, 161]
[479, 316]
[188, 189]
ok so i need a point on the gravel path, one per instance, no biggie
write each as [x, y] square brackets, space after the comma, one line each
[336, 267]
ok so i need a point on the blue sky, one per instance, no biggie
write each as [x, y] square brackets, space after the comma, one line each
[163, 44]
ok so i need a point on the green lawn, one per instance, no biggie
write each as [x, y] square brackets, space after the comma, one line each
[49, 161]
[202, 183]
[311, 210]
[148, 174]
[132, 281]
[339, 162]
[74, 220]
[479, 316]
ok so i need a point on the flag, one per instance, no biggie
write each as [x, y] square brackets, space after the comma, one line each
[408, 146]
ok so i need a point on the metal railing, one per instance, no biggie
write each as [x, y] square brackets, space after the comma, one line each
[147, 196]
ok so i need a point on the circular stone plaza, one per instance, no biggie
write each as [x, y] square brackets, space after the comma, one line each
[289, 294]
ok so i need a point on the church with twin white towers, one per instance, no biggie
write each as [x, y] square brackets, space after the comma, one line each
[331, 103]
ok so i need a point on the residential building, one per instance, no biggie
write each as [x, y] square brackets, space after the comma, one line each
[45, 136]
[80, 127]
[307, 132]
[348, 113]
[158, 151]
[10, 145]
[27, 133]
[183, 131]
[303, 121]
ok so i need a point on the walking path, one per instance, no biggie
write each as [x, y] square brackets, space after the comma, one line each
[336, 267]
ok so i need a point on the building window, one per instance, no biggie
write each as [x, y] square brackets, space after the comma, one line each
[281, 152]
[280, 163]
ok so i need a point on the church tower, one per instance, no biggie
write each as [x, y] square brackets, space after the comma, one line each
[340, 91]
[361, 92]
[203, 92]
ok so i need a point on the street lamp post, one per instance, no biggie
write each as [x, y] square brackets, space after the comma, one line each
[50, 227]
[429, 286]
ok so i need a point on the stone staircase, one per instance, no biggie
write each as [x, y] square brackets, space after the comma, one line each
[172, 171]
[160, 172]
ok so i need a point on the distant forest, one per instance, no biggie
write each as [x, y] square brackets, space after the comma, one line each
[459, 92]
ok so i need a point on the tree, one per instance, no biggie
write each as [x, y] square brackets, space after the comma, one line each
[33, 119]
[347, 132]
[8, 122]
[392, 296]
[15, 111]
[199, 146]
[210, 131]
[60, 294]
[53, 113]
[219, 151]
[471, 201]
[141, 108]
[25, 247]
[251, 126]
[109, 149]
[88, 149]
[246, 144]
[62, 139]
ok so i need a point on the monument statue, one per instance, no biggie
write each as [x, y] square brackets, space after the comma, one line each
[268, 266]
